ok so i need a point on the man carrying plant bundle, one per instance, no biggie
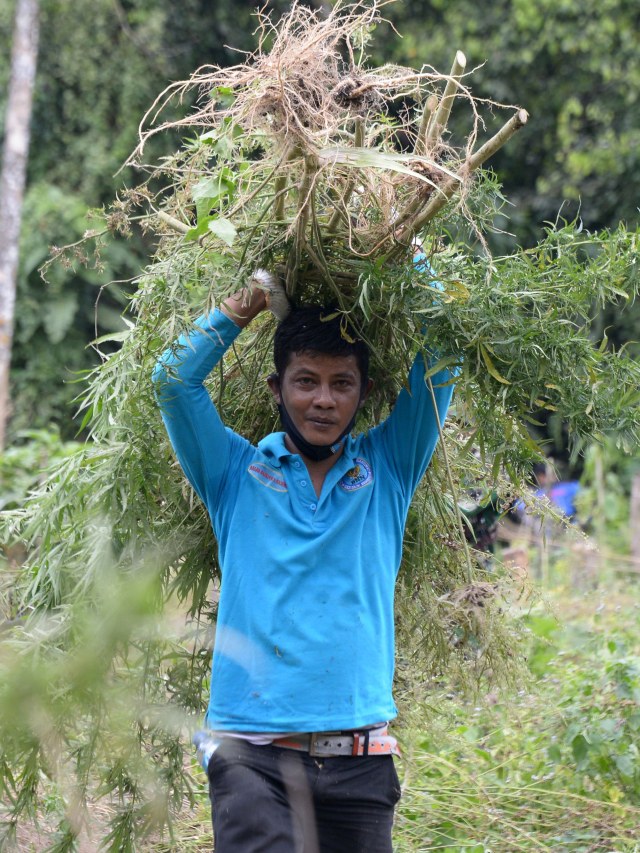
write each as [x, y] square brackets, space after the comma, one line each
[309, 526]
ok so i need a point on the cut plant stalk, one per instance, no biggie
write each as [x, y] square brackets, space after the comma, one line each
[440, 119]
[172, 222]
[448, 190]
[305, 199]
[419, 201]
[430, 107]
[341, 211]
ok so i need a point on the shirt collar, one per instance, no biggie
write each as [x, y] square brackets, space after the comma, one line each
[273, 446]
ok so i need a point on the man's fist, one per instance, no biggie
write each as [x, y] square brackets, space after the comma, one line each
[277, 301]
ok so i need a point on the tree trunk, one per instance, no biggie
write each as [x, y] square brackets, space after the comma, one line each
[12, 180]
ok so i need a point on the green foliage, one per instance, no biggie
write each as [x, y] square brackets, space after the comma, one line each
[597, 731]
[555, 767]
[96, 74]
[24, 465]
[84, 711]
[604, 499]
[523, 324]
[504, 773]
[120, 498]
[56, 319]
[101, 63]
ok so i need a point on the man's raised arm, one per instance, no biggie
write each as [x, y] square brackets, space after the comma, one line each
[411, 432]
[199, 438]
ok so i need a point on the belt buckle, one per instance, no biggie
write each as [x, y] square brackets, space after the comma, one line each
[312, 744]
[317, 748]
[359, 746]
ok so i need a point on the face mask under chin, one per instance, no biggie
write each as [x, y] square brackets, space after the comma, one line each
[316, 452]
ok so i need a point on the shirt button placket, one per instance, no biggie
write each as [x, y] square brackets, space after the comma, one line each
[304, 483]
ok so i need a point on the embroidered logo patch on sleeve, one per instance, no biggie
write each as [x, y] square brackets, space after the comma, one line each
[358, 477]
[268, 476]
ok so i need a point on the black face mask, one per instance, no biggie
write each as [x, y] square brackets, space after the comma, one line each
[317, 452]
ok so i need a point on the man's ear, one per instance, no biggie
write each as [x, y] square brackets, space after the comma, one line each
[273, 381]
[365, 393]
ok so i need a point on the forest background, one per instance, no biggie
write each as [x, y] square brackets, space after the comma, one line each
[574, 67]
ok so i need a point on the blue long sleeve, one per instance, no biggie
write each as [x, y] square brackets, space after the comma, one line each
[199, 438]
[410, 433]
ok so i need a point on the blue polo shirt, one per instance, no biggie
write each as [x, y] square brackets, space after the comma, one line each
[305, 631]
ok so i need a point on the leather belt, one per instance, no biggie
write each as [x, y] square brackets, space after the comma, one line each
[355, 743]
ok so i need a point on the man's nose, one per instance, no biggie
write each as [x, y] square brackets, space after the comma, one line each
[324, 395]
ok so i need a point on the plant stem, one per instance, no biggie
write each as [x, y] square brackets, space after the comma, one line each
[172, 222]
[439, 121]
[305, 198]
[518, 120]
[341, 206]
[429, 109]
[448, 189]
[280, 187]
[287, 156]
[280, 184]
[454, 492]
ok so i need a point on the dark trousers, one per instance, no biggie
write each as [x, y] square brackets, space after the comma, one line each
[276, 800]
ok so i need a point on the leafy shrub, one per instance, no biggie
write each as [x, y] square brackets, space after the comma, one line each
[554, 767]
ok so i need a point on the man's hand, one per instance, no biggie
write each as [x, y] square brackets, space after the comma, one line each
[262, 291]
[273, 290]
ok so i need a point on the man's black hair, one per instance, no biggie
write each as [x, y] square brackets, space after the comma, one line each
[317, 329]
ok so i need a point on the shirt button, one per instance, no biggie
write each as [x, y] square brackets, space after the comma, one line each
[303, 483]
[296, 464]
[313, 507]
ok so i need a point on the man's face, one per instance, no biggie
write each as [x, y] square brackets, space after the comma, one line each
[321, 394]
